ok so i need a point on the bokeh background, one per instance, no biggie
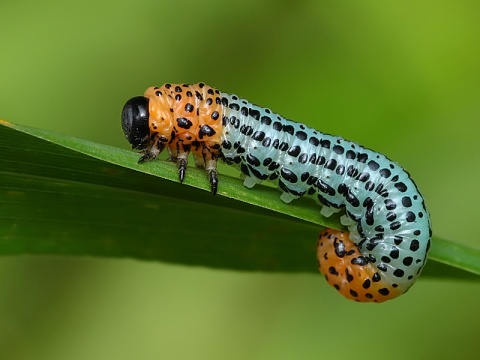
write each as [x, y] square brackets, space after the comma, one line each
[402, 77]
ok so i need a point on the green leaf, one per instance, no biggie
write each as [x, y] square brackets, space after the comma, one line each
[63, 195]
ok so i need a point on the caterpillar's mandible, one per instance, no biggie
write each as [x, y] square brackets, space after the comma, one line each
[389, 226]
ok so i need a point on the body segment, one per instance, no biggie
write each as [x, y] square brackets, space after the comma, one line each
[389, 226]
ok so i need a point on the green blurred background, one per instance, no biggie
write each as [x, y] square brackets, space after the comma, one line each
[402, 77]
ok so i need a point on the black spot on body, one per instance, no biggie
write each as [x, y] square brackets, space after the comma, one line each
[277, 126]
[331, 164]
[234, 106]
[351, 154]
[395, 225]
[333, 271]
[373, 165]
[189, 107]
[313, 141]
[362, 157]
[266, 142]
[206, 130]
[288, 175]
[253, 160]
[283, 146]
[401, 186]
[338, 149]
[184, 123]
[254, 114]
[414, 245]
[294, 151]
[266, 120]
[289, 129]
[366, 284]
[410, 216]
[384, 291]
[406, 201]
[301, 135]
[258, 135]
[302, 159]
[385, 173]
[398, 273]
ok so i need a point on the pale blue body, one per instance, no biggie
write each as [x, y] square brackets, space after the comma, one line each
[384, 211]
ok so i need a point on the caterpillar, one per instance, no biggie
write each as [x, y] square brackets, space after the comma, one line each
[389, 228]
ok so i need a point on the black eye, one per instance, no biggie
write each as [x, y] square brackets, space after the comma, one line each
[135, 122]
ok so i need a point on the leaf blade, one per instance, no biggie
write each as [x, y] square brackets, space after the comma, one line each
[55, 189]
